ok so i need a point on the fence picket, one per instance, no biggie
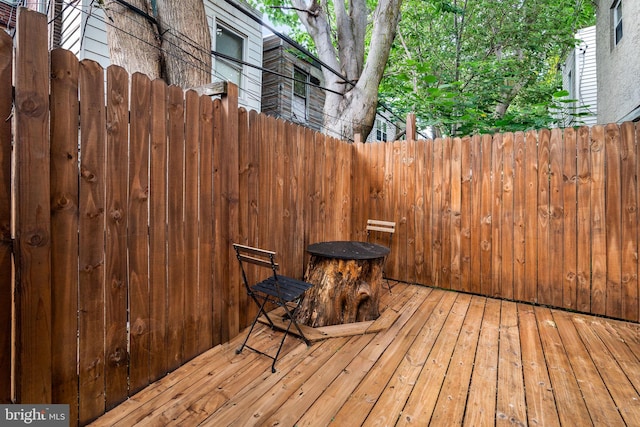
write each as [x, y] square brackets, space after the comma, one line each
[137, 233]
[507, 238]
[117, 282]
[496, 215]
[191, 175]
[598, 225]
[91, 256]
[556, 217]
[176, 232]
[629, 192]
[6, 104]
[64, 225]
[569, 209]
[33, 213]
[583, 240]
[158, 257]
[519, 216]
[613, 220]
[544, 294]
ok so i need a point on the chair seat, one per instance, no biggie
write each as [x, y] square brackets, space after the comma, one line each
[290, 289]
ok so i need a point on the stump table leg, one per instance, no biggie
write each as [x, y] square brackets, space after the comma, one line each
[345, 291]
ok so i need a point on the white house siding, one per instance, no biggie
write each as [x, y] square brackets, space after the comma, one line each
[84, 33]
[251, 32]
[579, 77]
[618, 65]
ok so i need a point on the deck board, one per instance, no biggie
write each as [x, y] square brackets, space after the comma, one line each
[448, 359]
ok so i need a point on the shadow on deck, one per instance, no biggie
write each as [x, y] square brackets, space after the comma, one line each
[448, 359]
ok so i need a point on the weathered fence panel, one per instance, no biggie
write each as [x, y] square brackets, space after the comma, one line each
[32, 243]
[126, 211]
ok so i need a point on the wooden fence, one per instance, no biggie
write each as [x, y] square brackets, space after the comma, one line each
[128, 195]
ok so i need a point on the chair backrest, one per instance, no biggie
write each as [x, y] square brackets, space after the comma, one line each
[257, 256]
[375, 225]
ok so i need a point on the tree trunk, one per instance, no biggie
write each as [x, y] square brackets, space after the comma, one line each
[171, 42]
[345, 291]
[133, 39]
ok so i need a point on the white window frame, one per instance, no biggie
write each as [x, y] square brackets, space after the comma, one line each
[616, 22]
[238, 67]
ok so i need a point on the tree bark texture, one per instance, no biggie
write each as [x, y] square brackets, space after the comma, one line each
[344, 291]
[171, 41]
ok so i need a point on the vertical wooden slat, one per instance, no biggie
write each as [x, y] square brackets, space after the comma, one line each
[6, 280]
[569, 194]
[613, 221]
[343, 175]
[456, 226]
[230, 200]
[466, 252]
[360, 190]
[583, 240]
[33, 213]
[519, 216]
[64, 227]
[137, 234]
[445, 213]
[556, 218]
[486, 204]
[191, 174]
[543, 219]
[436, 217]
[296, 154]
[376, 183]
[397, 212]
[220, 288]
[418, 212]
[175, 237]
[158, 175]
[476, 217]
[598, 224]
[496, 215]
[427, 272]
[629, 192]
[310, 196]
[116, 357]
[507, 260]
[328, 190]
[531, 220]
[250, 166]
[411, 183]
[91, 257]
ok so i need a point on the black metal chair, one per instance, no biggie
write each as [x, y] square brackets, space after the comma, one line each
[283, 291]
[388, 228]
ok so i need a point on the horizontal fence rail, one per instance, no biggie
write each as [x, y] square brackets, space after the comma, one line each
[128, 194]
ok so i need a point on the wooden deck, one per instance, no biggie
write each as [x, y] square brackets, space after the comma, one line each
[448, 359]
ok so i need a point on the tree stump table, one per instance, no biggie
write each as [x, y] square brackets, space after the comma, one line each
[347, 279]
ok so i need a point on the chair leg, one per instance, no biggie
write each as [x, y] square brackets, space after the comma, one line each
[255, 320]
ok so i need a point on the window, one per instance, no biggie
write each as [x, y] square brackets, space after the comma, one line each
[231, 45]
[617, 21]
[381, 130]
[300, 95]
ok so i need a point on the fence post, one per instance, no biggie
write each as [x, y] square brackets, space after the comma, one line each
[6, 280]
[33, 213]
[411, 127]
[230, 203]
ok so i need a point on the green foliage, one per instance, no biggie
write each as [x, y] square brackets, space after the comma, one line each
[467, 66]
[483, 65]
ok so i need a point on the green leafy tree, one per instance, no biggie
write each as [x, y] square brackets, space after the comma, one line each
[467, 66]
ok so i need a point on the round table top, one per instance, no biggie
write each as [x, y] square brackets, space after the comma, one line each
[348, 250]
